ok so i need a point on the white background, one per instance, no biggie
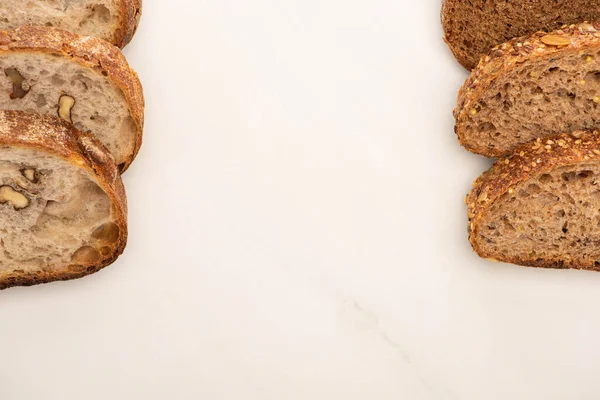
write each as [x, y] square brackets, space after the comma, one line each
[297, 230]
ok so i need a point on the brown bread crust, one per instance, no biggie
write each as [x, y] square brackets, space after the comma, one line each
[131, 10]
[91, 52]
[546, 154]
[57, 137]
[583, 37]
[462, 57]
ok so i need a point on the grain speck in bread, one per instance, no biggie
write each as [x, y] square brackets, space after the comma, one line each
[112, 20]
[39, 65]
[473, 27]
[62, 203]
[539, 206]
[532, 87]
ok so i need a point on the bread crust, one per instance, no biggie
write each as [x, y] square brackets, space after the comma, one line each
[57, 137]
[90, 52]
[131, 10]
[503, 58]
[546, 154]
[461, 56]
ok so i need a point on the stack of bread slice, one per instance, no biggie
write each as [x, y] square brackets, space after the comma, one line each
[71, 120]
[533, 103]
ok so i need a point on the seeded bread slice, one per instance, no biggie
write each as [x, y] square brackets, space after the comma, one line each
[531, 87]
[473, 27]
[539, 206]
[62, 203]
[112, 20]
[84, 80]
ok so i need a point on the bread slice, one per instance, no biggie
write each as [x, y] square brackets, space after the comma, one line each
[532, 87]
[473, 27]
[84, 80]
[539, 207]
[62, 203]
[112, 20]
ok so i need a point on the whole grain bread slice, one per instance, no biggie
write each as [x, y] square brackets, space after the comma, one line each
[62, 203]
[531, 87]
[539, 206]
[84, 80]
[112, 20]
[473, 27]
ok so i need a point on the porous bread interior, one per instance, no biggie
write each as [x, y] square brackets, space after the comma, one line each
[66, 206]
[100, 107]
[474, 27]
[553, 217]
[536, 99]
[99, 18]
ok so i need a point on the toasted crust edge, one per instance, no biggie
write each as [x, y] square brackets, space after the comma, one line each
[132, 12]
[53, 135]
[506, 173]
[505, 57]
[91, 52]
[461, 56]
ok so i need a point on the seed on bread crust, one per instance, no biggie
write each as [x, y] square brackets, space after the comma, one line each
[555, 40]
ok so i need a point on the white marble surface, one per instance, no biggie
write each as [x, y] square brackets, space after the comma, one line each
[298, 230]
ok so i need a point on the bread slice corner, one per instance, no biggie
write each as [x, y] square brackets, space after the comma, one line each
[81, 79]
[531, 87]
[62, 203]
[539, 206]
[473, 28]
[115, 21]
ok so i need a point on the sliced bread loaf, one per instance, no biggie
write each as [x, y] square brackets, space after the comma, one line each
[539, 206]
[62, 202]
[112, 20]
[83, 80]
[532, 87]
[473, 27]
